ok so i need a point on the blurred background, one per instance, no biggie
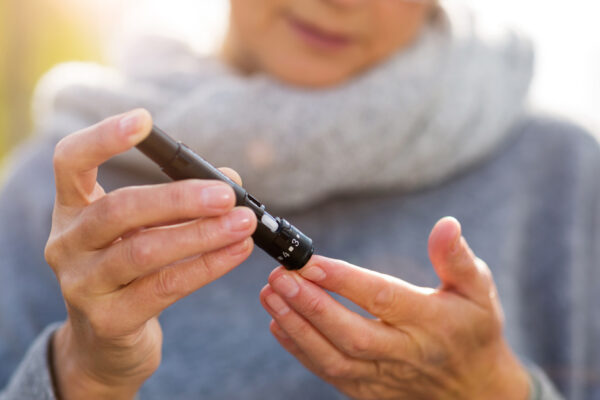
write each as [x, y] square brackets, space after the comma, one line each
[37, 34]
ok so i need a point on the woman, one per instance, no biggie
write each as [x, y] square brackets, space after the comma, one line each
[364, 123]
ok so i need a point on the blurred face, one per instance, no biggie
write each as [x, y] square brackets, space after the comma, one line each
[319, 42]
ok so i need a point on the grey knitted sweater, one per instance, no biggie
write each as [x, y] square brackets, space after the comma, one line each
[531, 210]
[365, 170]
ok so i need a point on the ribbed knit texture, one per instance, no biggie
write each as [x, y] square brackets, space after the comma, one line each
[427, 113]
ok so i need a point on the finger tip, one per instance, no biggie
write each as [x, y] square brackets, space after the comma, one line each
[251, 215]
[265, 290]
[318, 261]
[230, 203]
[147, 123]
[315, 259]
[250, 245]
[448, 227]
[444, 235]
[136, 125]
[242, 250]
[144, 118]
[232, 174]
[275, 273]
[144, 113]
[313, 273]
[450, 221]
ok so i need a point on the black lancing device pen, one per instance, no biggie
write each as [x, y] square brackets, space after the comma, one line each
[274, 235]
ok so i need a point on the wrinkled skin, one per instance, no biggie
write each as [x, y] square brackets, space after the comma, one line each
[123, 257]
[443, 343]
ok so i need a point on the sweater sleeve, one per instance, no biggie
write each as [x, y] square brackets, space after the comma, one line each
[30, 300]
[541, 387]
[33, 377]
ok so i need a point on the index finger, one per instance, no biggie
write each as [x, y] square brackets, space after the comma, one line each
[77, 156]
[383, 296]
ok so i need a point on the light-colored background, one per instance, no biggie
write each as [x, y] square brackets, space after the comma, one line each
[35, 34]
[567, 37]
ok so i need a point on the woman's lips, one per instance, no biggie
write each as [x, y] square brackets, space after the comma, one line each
[318, 37]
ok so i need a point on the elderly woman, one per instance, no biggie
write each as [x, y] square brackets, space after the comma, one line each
[364, 123]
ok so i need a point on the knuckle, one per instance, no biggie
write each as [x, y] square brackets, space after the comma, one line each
[101, 322]
[50, 255]
[484, 270]
[314, 307]
[337, 368]
[358, 346]
[177, 195]
[366, 391]
[72, 287]
[438, 354]
[111, 208]
[301, 330]
[207, 231]
[384, 301]
[401, 371]
[208, 265]
[53, 252]
[60, 153]
[167, 284]
[87, 225]
[139, 252]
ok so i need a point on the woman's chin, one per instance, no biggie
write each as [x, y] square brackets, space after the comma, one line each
[310, 76]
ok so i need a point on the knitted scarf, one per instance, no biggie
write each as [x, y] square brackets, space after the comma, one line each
[428, 112]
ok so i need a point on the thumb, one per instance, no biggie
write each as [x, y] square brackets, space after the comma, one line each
[77, 156]
[456, 265]
[233, 175]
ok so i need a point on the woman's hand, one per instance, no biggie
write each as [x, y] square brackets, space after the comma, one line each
[445, 343]
[123, 257]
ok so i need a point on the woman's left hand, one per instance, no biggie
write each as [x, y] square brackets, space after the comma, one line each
[443, 343]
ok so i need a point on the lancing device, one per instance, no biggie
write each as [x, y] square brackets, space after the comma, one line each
[275, 235]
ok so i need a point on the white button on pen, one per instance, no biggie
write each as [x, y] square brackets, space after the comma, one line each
[270, 222]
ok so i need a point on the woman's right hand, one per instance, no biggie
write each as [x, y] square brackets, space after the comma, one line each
[123, 257]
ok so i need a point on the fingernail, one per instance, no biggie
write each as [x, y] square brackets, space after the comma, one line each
[130, 123]
[286, 285]
[218, 196]
[314, 274]
[456, 245]
[239, 220]
[238, 248]
[277, 304]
